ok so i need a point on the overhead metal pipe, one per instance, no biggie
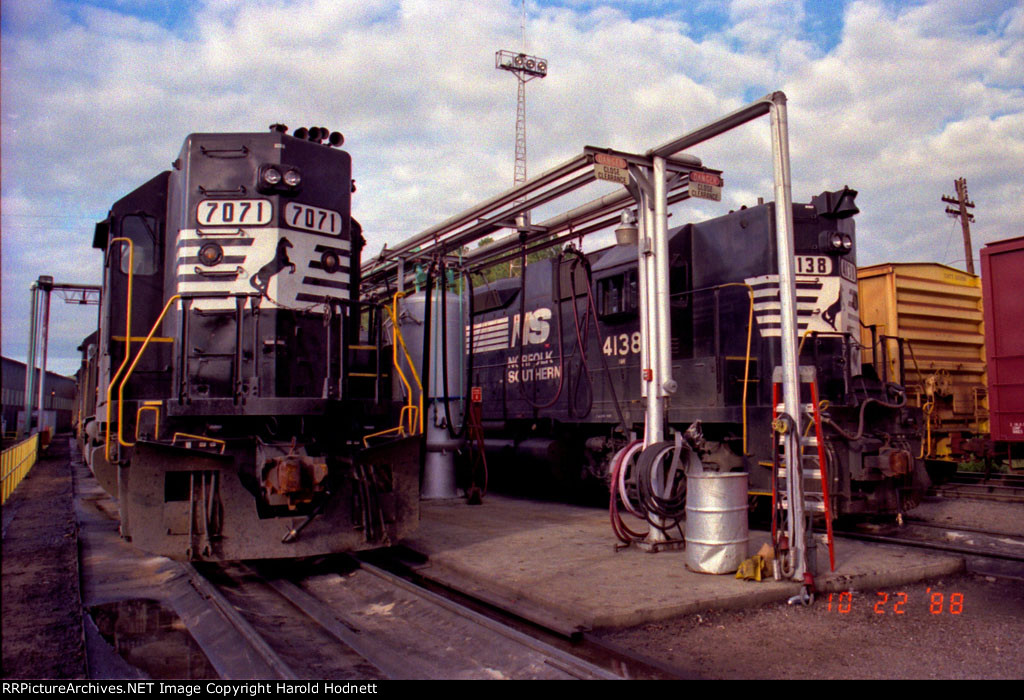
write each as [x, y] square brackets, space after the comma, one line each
[741, 116]
[501, 219]
[609, 206]
[428, 235]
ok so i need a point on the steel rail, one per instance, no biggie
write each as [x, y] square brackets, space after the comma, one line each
[382, 652]
[234, 618]
[563, 661]
[344, 630]
[926, 544]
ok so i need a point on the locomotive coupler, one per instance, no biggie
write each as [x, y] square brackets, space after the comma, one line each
[292, 479]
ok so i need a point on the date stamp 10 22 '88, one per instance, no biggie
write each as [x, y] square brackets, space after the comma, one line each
[897, 603]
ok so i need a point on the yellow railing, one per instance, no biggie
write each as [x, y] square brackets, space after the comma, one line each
[149, 406]
[410, 421]
[198, 438]
[746, 364]
[15, 463]
[138, 356]
[127, 343]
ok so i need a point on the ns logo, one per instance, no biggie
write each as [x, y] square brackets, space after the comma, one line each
[537, 327]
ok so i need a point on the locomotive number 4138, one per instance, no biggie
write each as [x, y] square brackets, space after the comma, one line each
[813, 265]
[622, 344]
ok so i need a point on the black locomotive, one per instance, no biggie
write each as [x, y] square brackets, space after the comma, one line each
[564, 388]
[235, 372]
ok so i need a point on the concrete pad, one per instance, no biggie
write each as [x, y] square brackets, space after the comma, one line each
[556, 562]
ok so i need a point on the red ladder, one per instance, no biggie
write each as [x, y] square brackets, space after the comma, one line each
[815, 467]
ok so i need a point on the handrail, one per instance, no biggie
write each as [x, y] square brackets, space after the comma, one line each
[750, 331]
[127, 342]
[415, 375]
[746, 364]
[148, 406]
[16, 462]
[926, 446]
[204, 438]
[128, 374]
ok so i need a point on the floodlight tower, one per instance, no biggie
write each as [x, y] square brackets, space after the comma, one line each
[525, 68]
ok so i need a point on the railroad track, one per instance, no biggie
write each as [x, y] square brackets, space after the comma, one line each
[1006, 488]
[985, 551]
[370, 624]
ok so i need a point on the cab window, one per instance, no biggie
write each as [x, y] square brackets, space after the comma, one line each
[618, 294]
[142, 230]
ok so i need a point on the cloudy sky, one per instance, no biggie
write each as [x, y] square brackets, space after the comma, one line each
[894, 99]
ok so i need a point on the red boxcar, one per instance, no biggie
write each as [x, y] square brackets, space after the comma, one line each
[1002, 265]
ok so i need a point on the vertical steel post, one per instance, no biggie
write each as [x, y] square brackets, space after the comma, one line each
[643, 219]
[45, 341]
[787, 298]
[666, 385]
[30, 364]
[649, 326]
[658, 322]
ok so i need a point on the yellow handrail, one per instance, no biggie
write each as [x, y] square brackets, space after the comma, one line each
[746, 364]
[15, 463]
[803, 339]
[127, 342]
[153, 406]
[927, 410]
[189, 436]
[128, 374]
[417, 413]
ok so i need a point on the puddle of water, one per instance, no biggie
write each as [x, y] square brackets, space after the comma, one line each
[153, 639]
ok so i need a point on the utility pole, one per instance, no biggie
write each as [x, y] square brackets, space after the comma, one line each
[963, 204]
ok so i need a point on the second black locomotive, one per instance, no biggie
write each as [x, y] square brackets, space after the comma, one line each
[557, 355]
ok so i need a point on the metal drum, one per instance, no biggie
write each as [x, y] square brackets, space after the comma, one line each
[716, 522]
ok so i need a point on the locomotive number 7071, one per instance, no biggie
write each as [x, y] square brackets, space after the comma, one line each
[234, 212]
[313, 219]
[622, 344]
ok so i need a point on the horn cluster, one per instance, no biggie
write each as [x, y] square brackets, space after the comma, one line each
[316, 134]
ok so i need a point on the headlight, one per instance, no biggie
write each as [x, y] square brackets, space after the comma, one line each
[835, 242]
[279, 178]
[211, 254]
[271, 176]
[330, 262]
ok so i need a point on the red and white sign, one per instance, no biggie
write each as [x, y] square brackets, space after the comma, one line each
[706, 185]
[706, 178]
[611, 168]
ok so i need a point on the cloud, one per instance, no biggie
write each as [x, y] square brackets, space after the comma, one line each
[900, 99]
